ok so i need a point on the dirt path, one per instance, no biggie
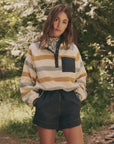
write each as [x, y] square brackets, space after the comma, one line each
[7, 139]
[105, 135]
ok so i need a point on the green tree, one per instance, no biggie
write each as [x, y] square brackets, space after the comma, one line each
[21, 23]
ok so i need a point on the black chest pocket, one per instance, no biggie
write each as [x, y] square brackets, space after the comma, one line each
[68, 64]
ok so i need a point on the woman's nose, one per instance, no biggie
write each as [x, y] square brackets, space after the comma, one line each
[59, 24]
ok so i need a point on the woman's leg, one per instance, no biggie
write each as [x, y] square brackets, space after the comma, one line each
[73, 135]
[47, 136]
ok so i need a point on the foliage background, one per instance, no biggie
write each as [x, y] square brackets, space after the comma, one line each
[21, 23]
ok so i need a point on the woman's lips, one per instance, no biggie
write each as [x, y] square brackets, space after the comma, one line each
[58, 30]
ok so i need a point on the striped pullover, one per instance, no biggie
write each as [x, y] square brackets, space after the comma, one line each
[52, 69]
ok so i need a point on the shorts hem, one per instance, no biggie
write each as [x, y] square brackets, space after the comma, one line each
[74, 124]
[46, 126]
[50, 126]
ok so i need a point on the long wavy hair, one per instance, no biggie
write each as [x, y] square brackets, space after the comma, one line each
[67, 36]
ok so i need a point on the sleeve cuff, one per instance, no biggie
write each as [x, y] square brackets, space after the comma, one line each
[81, 93]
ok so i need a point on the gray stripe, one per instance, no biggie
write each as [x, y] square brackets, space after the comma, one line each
[26, 84]
[50, 68]
[47, 68]
[81, 81]
[77, 69]
[29, 65]
[81, 64]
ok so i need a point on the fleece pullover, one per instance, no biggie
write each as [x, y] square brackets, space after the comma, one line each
[52, 68]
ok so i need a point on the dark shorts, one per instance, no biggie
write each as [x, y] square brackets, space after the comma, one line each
[57, 110]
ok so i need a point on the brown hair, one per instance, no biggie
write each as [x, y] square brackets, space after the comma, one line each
[48, 27]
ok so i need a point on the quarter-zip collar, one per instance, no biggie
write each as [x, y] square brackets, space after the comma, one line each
[55, 48]
[52, 43]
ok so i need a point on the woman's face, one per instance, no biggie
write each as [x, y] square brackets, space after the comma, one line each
[60, 24]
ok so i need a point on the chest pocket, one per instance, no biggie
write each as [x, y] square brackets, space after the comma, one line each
[68, 64]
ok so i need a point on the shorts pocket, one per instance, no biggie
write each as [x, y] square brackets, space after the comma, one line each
[78, 96]
[68, 64]
[40, 100]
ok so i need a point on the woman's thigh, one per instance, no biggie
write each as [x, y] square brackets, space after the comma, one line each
[47, 136]
[74, 135]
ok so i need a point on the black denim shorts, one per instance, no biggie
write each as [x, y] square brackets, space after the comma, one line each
[57, 110]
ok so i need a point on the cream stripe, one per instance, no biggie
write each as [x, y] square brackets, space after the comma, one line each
[55, 74]
[61, 88]
[45, 63]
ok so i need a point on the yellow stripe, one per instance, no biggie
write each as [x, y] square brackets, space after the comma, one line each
[66, 56]
[42, 57]
[24, 93]
[76, 58]
[29, 51]
[82, 75]
[57, 79]
[26, 74]
[81, 86]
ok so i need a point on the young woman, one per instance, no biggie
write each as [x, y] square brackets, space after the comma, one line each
[54, 79]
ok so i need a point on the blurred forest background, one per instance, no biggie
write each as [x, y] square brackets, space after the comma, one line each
[21, 23]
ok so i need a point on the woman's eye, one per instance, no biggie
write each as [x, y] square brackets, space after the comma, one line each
[64, 22]
[56, 19]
